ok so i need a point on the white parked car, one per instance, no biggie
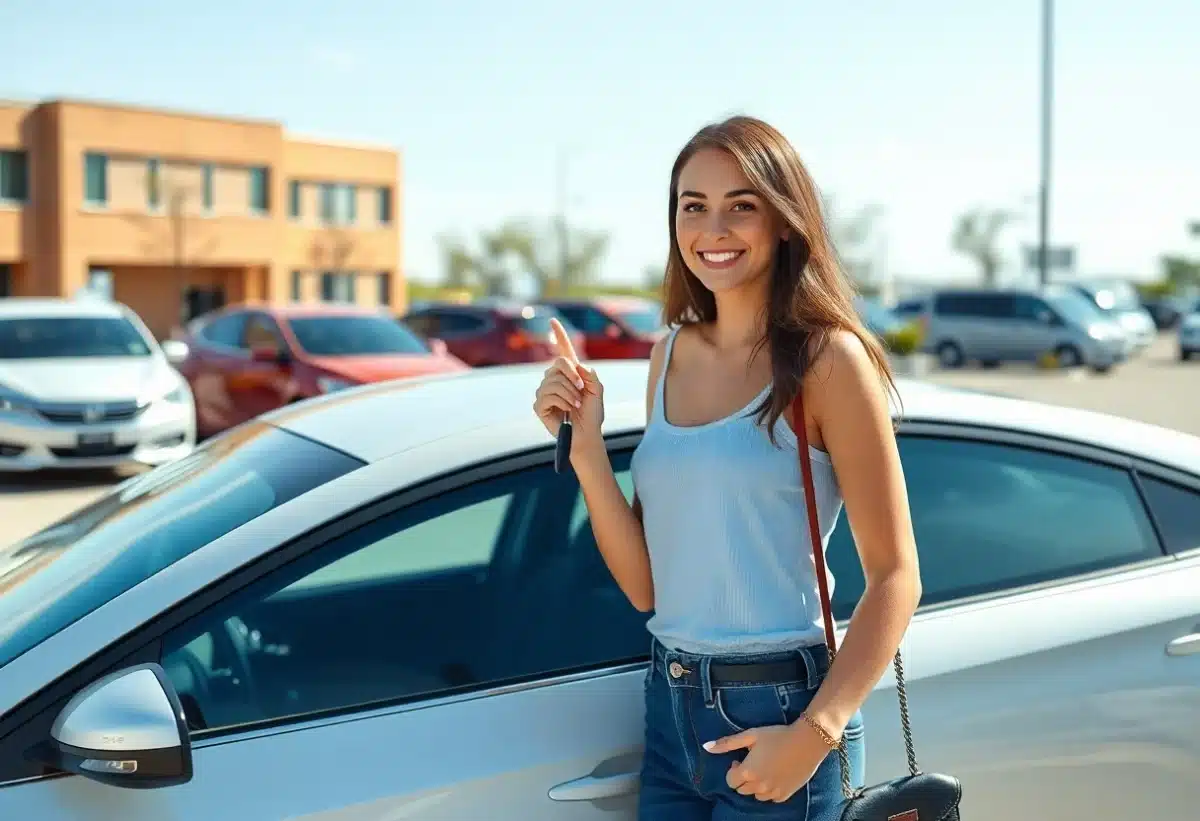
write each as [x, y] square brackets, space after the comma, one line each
[84, 384]
[384, 603]
[1189, 333]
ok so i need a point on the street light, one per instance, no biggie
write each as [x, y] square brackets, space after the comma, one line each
[1047, 111]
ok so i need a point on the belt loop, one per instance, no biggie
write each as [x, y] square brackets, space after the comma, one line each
[706, 687]
[810, 667]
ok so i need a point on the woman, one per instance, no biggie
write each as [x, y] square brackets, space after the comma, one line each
[743, 710]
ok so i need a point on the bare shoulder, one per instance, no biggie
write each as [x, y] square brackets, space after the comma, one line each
[843, 357]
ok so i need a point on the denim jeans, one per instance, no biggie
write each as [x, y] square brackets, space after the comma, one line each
[683, 782]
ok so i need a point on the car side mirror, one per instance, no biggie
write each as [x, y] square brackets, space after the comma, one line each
[175, 351]
[126, 729]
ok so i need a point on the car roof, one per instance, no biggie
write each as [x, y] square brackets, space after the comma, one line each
[374, 422]
[305, 309]
[17, 307]
[612, 302]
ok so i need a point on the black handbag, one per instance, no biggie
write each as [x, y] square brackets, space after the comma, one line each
[918, 796]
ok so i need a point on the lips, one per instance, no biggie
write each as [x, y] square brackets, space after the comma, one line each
[720, 257]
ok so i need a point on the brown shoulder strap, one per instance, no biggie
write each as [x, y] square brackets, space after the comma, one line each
[814, 527]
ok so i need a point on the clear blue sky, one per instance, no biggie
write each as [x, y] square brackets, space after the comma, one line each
[926, 107]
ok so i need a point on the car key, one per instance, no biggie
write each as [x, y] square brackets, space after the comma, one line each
[562, 446]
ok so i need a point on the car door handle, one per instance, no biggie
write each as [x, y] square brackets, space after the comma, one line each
[1184, 645]
[593, 788]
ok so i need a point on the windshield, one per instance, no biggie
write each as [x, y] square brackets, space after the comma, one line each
[56, 577]
[1114, 296]
[70, 336]
[643, 320]
[1074, 307]
[355, 336]
[876, 317]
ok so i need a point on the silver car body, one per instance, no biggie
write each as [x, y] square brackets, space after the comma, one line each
[1019, 325]
[1056, 700]
[90, 411]
[1189, 333]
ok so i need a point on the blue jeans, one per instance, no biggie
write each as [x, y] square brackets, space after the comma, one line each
[683, 782]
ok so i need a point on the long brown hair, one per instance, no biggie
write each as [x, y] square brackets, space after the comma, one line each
[810, 296]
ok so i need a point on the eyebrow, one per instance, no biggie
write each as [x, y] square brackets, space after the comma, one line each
[737, 192]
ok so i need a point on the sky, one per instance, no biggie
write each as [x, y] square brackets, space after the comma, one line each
[924, 108]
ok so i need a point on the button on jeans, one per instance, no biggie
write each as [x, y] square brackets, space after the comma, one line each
[683, 782]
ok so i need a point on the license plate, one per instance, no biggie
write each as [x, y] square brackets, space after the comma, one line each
[92, 441]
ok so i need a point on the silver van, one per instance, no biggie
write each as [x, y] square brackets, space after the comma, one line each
[1018, 325]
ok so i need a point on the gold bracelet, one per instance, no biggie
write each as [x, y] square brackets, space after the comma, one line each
[829, 740]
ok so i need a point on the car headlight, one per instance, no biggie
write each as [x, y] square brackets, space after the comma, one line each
[330, 384]
[13, 402]
[176, 396]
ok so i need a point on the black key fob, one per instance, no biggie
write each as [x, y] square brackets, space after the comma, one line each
[562, 447]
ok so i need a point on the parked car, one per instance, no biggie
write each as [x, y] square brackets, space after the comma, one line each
[877, 317]
[83, 383]
[614, 327]
[391, 587]
[245, 360]
[994, 326]
[1120, 301]
[491, 331]
[1189, 333]
[1166, 310]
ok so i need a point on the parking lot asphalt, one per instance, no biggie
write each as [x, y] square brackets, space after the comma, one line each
[1155, 387]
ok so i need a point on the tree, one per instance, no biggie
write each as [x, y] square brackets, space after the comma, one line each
[488, 266]
[172, 234]
[853, 238]
[976, 235]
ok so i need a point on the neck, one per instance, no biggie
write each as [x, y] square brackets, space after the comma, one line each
[741, 316]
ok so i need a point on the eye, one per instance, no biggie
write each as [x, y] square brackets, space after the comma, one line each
[692, 207]
[743, 206]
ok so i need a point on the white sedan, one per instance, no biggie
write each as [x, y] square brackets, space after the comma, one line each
[84, 384]
[385, 603]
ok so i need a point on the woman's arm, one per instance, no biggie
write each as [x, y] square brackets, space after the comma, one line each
[850, 408]
[616, 524]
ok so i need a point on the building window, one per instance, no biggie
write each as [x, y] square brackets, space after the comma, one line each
[153, 184]
[338, 286]
[385, 206]
[95, 179]
[260, 202]
[384, 283]
[294, 199]
[206, 186]
[6, 285]
[14, 176]
[297, 285]
[339, 204]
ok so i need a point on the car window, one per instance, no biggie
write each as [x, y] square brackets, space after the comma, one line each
[499, 581]
[990, 517]
[262, 332]
[356, 336]
[225, 330]
[63, 337]
[585, 318]
[61, 574]
[458, 322]
[1176, 511]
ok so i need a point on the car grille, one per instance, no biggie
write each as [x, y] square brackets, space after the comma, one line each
[92, 452]
[87, 413]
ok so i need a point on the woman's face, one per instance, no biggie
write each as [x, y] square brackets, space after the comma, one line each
[727, 233]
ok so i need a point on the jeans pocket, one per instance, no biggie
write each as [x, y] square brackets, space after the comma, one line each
[751, 707]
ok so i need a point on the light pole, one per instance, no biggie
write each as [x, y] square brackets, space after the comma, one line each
[1046, 131]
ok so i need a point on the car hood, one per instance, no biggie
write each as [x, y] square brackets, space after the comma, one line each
[87, 378]
[382, 368]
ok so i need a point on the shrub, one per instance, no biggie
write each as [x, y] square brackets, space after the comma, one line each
[904, 340]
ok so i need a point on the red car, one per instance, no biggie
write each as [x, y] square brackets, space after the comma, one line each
[492, 332]
[245, 360]
[614, 327]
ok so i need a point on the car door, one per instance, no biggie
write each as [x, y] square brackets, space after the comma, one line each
[1039, 668]
[1035, 331]
[459, 657]
[259, 383]
[216, 350]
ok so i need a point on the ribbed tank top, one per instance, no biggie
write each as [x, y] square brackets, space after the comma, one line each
[727, 529]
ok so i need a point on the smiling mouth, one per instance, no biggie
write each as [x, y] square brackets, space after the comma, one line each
[720, 257]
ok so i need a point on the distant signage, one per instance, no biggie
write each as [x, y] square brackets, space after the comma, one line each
[1058, 257]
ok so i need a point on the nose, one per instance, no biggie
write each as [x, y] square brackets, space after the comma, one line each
[717, 223]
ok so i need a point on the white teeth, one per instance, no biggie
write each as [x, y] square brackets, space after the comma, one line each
[723, 256]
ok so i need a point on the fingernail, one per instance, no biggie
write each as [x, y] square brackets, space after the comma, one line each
[577, 403]
[579, 384]
[709, 745]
